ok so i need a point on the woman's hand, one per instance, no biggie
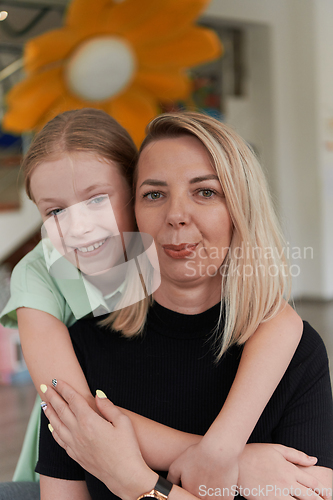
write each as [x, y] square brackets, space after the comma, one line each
[108, 449]
[271, 471]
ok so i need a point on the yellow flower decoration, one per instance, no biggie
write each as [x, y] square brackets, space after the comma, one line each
[122, 56]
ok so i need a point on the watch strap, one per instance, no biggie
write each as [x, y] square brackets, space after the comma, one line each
[163, 486]
[160, 491]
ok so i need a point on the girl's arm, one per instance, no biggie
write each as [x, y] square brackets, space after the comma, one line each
[49, 353]
[265, 358]
[48, 350]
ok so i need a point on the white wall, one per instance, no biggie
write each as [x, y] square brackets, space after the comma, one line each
[324, 74]
[290, 76]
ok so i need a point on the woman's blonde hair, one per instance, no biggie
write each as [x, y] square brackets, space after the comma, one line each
[255, 274]
[93, 131]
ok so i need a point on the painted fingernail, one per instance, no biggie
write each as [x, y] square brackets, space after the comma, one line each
[50, 428]
[54, 382]
[43, 405]
[43, 388]
[101, 394]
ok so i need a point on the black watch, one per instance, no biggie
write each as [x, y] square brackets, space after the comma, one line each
[160, 491]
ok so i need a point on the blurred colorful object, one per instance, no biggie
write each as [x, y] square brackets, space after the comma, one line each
[122, 56]
[10, 181]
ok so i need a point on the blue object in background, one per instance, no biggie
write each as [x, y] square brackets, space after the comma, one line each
[10, 141]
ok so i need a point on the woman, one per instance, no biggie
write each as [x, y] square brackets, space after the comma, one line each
[202, 197]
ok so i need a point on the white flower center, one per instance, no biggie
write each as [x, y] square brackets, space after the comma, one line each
[100, 68]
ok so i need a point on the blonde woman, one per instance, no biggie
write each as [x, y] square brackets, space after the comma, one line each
[201, 195]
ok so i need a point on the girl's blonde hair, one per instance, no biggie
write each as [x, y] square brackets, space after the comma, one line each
[255, 274]
[93, 131]
[81, 130]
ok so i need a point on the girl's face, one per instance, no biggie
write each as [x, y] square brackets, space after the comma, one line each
[180, 203]
[85, 204]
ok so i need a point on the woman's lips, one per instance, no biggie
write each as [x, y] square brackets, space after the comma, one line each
[182, 251]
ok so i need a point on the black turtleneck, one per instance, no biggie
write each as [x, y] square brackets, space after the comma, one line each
[169, 374]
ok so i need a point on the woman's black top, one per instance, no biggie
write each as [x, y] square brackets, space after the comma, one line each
[170, 375]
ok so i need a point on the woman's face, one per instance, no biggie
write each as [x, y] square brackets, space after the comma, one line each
[85, 204]
[180, 203]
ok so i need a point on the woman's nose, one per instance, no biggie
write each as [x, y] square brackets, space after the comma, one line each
[178, 213]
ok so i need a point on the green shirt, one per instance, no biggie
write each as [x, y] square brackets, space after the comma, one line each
[68, 299]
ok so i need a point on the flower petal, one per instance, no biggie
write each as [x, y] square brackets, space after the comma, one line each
[172, 19]
[133, 110]
[196, 46]
[128, 15]
[165, 85]
[85, 13]
[30, 99]
[52, 46]
[65, 102]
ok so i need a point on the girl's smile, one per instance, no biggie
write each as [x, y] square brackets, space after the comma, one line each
[91, 247]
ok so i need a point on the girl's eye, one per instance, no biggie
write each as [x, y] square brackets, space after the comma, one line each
[97, 200]
[153, 195]
[56, 211]
[207, 193]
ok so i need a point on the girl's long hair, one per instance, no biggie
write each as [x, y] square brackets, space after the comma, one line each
[92, 131]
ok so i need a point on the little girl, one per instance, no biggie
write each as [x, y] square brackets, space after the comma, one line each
[85, 157]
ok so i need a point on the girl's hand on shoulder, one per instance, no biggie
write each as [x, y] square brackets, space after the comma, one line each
[105, 447]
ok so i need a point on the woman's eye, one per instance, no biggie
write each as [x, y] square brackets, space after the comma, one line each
[56, 211]
[207, 193]
[153, 195]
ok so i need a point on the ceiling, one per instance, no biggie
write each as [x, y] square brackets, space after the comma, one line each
[52, 4]
[26, 19]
